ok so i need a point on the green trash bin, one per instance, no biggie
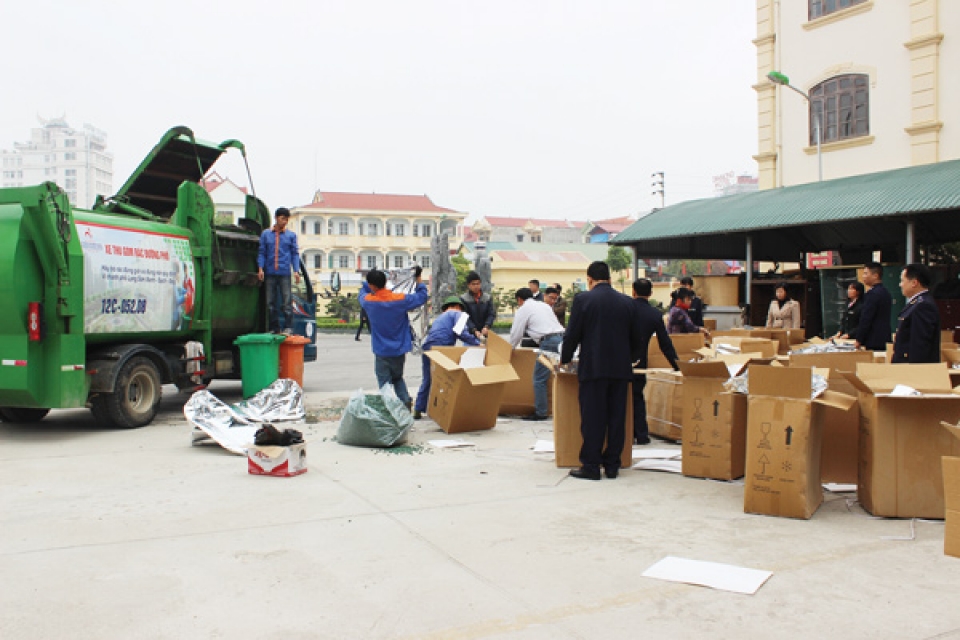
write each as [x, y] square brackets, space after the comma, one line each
[259, 361]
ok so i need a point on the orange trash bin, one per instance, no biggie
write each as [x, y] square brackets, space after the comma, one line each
[291, 358]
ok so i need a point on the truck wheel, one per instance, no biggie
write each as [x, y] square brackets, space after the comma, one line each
[134, 403]
[21, 414]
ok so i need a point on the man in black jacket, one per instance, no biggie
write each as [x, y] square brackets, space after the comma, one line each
[603, 323]
[918, 327]
[478, 305]
[874, 330]
[649, 322]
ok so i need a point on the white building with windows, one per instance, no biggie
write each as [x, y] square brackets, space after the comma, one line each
[353, 232]
[880, 76]
[76, 159]
[229, 200]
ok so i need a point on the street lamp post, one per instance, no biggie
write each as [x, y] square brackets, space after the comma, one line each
[778, 78]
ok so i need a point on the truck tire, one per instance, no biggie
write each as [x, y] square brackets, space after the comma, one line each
[21, 414]
[134, 402]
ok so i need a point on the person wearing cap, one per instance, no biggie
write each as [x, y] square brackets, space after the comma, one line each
[278, 257]
[452, 324]
[536, 320]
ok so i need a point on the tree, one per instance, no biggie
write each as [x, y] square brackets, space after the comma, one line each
[618, 260]
[462, 267]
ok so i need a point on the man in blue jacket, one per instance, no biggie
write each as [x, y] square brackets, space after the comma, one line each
[390, 328]
[874, 330]
[278, 256]
[918, 327]
[451, 325]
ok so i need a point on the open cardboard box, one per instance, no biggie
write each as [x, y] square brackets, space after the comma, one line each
[469, 399]
[685, 344]
[784, 433]
[714, 420]
[567, 438]
[951, 495]
[663, 397]
[518, 397]
[766, 347]
[901, 441]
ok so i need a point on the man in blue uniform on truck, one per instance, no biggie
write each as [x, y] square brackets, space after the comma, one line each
[279, 255]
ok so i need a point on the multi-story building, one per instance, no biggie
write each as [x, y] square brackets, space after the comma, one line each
[528, 230]
[230, 201]
[354, 232]
[76, 159]
[879, 75]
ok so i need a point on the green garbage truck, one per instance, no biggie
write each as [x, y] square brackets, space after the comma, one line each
[102, 307]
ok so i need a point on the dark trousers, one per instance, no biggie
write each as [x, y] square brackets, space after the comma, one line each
[279, 301]
[424, 394]
[389, 369]
[640, 431]
[363, 319]
[603, 411]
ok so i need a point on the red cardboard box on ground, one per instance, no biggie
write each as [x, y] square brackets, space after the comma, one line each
[282, 462]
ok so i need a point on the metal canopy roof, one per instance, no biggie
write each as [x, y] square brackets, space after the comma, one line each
[860, 213]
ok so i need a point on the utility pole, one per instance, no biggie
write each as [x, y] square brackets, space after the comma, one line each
[658, 187]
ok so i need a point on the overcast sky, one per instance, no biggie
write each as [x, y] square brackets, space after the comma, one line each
[507, 108]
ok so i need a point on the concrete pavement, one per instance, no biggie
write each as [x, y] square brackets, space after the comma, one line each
[136, 534]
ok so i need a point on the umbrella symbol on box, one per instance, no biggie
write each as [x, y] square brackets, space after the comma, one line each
[764, 460]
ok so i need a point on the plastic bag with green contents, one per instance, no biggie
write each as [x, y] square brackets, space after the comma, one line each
[374, 420]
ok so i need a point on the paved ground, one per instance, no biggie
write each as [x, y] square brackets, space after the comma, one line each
[136, 534]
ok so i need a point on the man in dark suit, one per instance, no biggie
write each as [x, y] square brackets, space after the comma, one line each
[874, 330]
[918, 326]
[649, 322]
[603, 323]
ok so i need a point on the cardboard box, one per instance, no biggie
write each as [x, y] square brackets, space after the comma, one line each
[469, 399]
[567, 439]
[951, 496]
[282, 462]
[784, 431]
[518, 395]
[663, 396]
[685, 344]
[765, 347]
[840, 451]
[901, 441]
[715, 422]
[781, 336]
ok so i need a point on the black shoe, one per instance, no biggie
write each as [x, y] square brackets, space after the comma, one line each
[535, 418]
[641, 440]
[357, 339]
[611, 472]
[417, 415]
[585, 473]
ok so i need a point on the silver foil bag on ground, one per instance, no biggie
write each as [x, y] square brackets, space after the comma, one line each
[233, 426]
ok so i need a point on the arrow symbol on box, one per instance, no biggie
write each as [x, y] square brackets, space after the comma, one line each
[764, 460]
[716, 407]
[789, 431]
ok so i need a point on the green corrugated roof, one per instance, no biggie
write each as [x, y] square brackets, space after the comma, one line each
[927, 188]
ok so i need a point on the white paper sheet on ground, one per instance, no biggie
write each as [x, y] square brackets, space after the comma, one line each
[670, 466]
[450, 444]
[715, 575]
[640, 453]
[544, 446]
[836, 487]
[472, 358]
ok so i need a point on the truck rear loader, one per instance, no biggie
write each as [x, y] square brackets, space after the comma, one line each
[102, 307]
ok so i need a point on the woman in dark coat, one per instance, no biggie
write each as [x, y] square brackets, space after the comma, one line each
[850, 319]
